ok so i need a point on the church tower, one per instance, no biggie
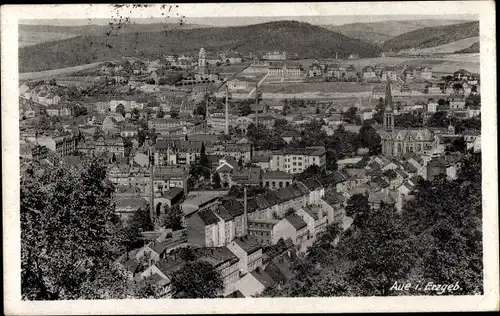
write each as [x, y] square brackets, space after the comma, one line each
[202, 61]
[389, 108]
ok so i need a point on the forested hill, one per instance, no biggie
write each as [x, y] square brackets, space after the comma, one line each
[474, 48]
[307, 40]
[432, 36]
[380, 32]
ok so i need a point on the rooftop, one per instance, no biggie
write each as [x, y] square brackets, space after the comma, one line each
[296, 221]
[248, 243]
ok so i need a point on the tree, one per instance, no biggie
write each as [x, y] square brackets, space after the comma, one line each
[120, 108]
[312, 171]
[324, 245]
[245, 109]
[173, 217]
[391, 174]
[216, 180]
[331, 160]
[174, 113]
[357, 206]
[139, 222]
[160, 114]
[439, 215]
[135, 114]
[79, 110]
[203, 157]
[369, 138]
[351, 116]
[197, 279]
[68, 233]
[317, 110]
[381, 253]
[201, 109]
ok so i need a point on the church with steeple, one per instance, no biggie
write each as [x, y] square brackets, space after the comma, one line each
[396, 142]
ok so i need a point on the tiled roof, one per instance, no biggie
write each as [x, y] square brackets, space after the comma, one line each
[265, 279]
[296, 221]
[208, 217]
[276, 175]
[233, 207]
[249, 244]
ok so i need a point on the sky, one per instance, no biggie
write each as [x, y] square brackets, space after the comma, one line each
[239, 21]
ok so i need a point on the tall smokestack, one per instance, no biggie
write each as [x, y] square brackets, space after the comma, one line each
[185, 184]
[245, 210]
[226, 127]
[257, 103]
[151, 179]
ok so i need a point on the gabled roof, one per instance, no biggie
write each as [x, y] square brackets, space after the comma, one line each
[248, 243]
[296, 221]
[233, 207]
[276, 175]
[333, 198]
[208, 217]
[312, 184]
[265, 279]
[380, 182]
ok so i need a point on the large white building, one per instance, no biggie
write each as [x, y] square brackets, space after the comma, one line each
[296, 160]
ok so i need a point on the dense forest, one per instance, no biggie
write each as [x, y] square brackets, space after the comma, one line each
[432, 36]
[307, 40]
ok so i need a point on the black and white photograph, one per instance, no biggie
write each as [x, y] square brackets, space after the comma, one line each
[243, 157]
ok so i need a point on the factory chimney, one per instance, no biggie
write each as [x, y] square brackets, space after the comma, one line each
[226, 127]
[245, 210]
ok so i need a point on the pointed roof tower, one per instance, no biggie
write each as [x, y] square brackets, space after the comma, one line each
[388, 97]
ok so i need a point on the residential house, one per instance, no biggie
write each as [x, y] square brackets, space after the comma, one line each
[369, 74]
[389, 73]
[249, 252]
[334, 205]
[295, 228]
[276, 179]
[263, 230]
[126, 207]
[288, 136]
[253, 283]
[263, 161]
[274, 204]
[296, 160]
[224, 261]
[64, 145]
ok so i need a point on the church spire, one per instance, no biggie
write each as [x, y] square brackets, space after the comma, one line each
[389, 108]
[388, 97]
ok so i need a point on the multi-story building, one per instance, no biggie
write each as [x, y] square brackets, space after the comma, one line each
[275, 204]
[165, 123]
[432, 106]
[249, 252]
[218, 225]
[296, 160]
[275, 55]
[287, 70]
[115, 146]
[235, 150]
[389, 73]
[63, 145]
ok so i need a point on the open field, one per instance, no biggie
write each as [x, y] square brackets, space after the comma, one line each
[323, 87]
[28, 38]
[56, 72]
[448, 48]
